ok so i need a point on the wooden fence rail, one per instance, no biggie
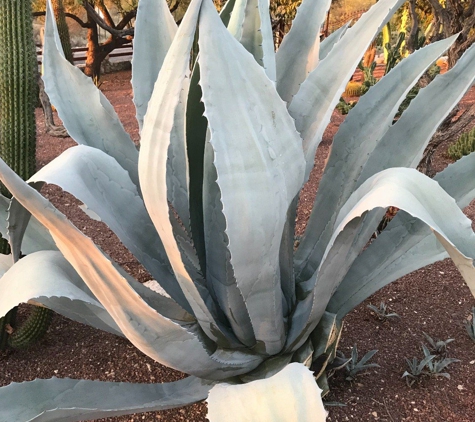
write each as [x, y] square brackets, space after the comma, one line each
[121, 54]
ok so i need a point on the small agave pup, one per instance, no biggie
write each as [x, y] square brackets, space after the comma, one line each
[208, 207]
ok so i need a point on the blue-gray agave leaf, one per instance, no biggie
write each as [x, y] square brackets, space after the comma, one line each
[225, 150]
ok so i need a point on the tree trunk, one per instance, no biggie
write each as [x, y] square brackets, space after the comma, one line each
[449, 129]
[93, 66]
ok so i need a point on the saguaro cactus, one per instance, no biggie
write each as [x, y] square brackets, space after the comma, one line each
[18, 97]
[63, 29]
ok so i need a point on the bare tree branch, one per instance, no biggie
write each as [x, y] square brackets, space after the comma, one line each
[126, 19]
[120, 33]
[105, 12]
[81, 23]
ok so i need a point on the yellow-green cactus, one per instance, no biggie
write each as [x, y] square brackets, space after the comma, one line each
[464, 145]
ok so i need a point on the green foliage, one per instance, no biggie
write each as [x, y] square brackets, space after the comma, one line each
[463, 146]
[344, 107]
[355, 366]
[431, 73]
[393, 52]
[438, 364]
[470, 325]
[416, 369]
[369, 79]
[284, 10]
[433, 363]
[438, 347]
[381, 312]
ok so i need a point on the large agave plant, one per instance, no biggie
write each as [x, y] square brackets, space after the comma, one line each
[208, 207]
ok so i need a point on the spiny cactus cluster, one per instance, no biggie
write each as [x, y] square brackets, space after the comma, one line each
[464, 145]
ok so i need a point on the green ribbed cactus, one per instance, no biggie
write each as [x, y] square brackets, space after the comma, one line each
[464, 145]
[63, 29]
[18, 97]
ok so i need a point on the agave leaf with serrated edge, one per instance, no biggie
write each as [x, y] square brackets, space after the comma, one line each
[329, 79]
[66, 85]
[250, 24]
[291, 395]
[94, 399]
[409, 243]
[298, 54]
[411, 195]
[276, 160]
[47, 278]
[144, 326]
[154, 25]
[98, 181]
[329, 42]
[247, 316]
[352, 147]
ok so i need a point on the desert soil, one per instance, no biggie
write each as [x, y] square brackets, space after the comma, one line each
[434, 300]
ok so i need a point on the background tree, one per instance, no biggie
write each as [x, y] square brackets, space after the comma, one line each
[18, 98]
[452, 17]
[93, 15]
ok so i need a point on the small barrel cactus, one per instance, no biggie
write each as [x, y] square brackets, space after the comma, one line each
[353, 89]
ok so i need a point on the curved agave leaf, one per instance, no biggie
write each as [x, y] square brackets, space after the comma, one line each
[226, 11]
[18, 219]
[156, 138]
[404, 143]
[196, 127]
[408, 190]
[298, 54]
[291, 395]
[259, 163]
[352, 147]
[177, 163]
[219, 272]
[329, 42]
[70, 400]
[6, 263]
[329, 79]
[47, 278]
[178, 345]
[98, 181]
[35, 238]
[92, 122]
[408, 243]
[250, 24]
[155, 26]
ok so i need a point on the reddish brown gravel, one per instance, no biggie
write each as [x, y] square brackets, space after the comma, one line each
[433, 299]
